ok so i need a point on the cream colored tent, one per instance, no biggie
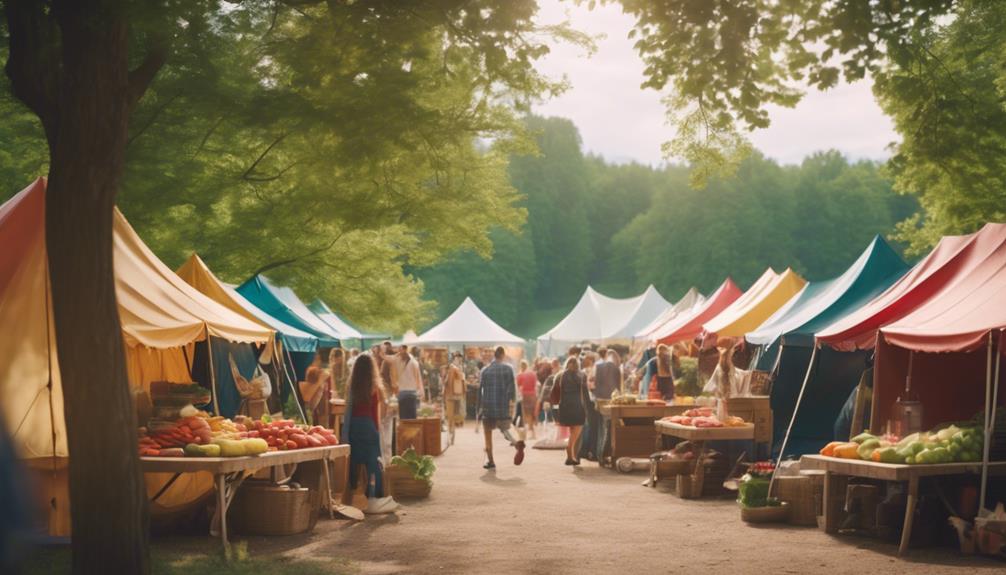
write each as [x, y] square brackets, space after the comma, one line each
[162, 317]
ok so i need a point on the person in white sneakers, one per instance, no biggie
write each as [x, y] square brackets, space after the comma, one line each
[361, 432]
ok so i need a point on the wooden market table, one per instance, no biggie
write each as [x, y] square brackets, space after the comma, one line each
[630, 427]
[699, 436]
[230, 472]
[837, 471]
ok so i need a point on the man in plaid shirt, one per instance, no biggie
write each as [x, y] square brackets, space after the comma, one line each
[497, 390]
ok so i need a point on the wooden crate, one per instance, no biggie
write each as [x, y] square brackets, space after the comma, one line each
[401, 485]
[422, 434]
[801, 492]
[756, 410]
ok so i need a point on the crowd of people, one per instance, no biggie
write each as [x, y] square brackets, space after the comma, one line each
[510, 395]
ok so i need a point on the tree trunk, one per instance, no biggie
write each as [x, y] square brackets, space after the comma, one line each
[87, 148]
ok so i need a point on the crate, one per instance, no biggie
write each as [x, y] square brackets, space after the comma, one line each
[400, 484]
[265, 509]
[802, 495]
[410, 433]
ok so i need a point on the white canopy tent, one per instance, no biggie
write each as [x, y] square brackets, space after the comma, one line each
[691, 299]
[468, 325]
[598, 318]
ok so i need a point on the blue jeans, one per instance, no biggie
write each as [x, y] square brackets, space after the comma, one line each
[408, 404]
[365, 449]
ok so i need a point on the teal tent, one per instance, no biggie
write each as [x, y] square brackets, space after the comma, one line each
[787, 341]
[347, 331]
[283, 304]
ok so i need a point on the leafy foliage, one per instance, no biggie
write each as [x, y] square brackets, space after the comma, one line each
[330, 144]
[621, 228]
[726, 60]
[948, 101]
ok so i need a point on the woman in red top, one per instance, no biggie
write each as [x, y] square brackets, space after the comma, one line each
[527, 385]
[363, 437]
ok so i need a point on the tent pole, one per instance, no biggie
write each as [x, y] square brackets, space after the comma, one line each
[792, 419]
[293, 386]
[213, 374]
[990, 409]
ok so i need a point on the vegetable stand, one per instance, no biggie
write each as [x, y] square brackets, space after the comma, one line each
[699, 436]
[230, 472]
[837, 471]
[630, 428]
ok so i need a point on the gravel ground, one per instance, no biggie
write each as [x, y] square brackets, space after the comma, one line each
[544, 517]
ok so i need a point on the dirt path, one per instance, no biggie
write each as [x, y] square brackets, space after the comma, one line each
[544, 517]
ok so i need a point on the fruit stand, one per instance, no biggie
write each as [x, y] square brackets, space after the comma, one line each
[630, 427]
[838, 470]
[699, 436]
[229, 472]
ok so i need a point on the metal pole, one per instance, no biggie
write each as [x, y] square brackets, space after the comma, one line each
[213, 374]
[990, 411]
[792, 419]
[293, 385]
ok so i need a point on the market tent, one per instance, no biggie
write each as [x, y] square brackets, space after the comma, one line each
[688, 325]
[959, 323]
[161, 316]
[858, 330]
[948, 349]
[468, 325]
[195, 272]
[602, 319]
[769, 293]
[691, 299]
[283, 304]
[849, 340]
[822, 303]
[789, 337]
[350, 331]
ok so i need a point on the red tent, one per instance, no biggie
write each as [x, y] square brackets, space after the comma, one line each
[950, 260]
[944, 348]
[687, 326]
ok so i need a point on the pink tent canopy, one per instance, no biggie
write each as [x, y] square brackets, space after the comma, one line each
[689, 325]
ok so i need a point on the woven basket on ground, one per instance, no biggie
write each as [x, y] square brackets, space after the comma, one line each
[401, 484]
[264, 509]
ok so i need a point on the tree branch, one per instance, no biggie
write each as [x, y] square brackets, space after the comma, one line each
[141, 76]
[262, 156]
[294, 259]
[153, 118]
[33, 59]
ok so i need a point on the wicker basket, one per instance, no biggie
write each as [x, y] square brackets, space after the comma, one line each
[775, 514]
[264, 509]
[400, 483]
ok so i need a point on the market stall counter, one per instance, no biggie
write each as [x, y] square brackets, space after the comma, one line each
[837, 471]
[695, 474]
[630, 427]
[230, 472]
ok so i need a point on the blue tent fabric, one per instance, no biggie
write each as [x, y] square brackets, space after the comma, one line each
[292, 338]
[788, 339]
[321, 309]
[227, 394]
[283, 304]
[822, 303]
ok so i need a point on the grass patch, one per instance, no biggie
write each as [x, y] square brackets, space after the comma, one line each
[54, 560]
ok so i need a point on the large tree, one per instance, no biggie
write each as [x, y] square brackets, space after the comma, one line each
[83, 67]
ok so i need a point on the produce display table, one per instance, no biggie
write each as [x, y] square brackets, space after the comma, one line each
[699, 436]
[757, 410]
[230, 472]
[630, 427]
[837, 471]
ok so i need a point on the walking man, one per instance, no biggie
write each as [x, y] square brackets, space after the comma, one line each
[497, 392]
[410, 383]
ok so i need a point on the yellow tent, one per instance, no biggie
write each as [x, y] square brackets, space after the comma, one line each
[758, 303]
[162, 317]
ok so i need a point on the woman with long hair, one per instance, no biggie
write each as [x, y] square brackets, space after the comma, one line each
[363, 435]
[570, 393]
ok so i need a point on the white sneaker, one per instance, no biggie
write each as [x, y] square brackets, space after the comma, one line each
[380, 505]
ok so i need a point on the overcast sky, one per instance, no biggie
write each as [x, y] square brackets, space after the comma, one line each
[622, 122]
